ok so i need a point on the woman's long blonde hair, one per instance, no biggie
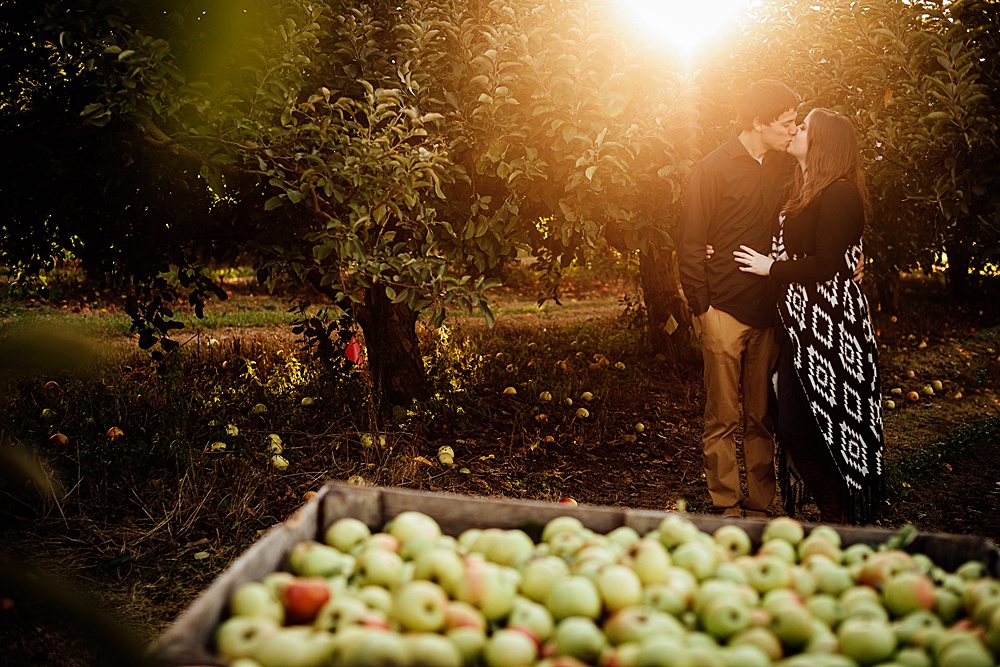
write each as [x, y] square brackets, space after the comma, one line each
[831, 155]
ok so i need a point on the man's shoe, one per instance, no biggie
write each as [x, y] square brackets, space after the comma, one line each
[733, 512]
[756, 514]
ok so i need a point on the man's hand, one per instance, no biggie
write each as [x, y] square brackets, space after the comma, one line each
[709, 251]
[753, 261]
[859, 270]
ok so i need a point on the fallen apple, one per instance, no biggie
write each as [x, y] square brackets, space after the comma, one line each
[937, 385]
[639, 427]
[927, 390]
[306, 401]
[510, 391]
[587, 396]
[620, 366]
[114, 433]
[890, 404]
[258, 409]
[913, 396]
[545, 396]
[582, 413]
[52, 385]
[279, 462]
[59, 439]
[217, 446]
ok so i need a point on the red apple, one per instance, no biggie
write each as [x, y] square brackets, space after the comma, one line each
[304, 597]
[59, 439]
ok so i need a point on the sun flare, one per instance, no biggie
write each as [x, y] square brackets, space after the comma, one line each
[685, 26]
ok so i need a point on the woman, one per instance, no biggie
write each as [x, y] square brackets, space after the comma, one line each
[829, 403]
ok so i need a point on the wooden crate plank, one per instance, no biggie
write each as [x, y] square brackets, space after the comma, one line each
[188, 640]
[456, 513]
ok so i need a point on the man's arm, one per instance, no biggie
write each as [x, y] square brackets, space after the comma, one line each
[695, 216]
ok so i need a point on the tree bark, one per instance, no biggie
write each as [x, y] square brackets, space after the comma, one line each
[393, 351]
[958, 270]
[661, 292]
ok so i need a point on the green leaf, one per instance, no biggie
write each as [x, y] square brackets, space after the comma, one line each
[273, 203]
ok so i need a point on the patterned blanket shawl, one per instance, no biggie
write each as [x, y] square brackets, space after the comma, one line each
[836, 361]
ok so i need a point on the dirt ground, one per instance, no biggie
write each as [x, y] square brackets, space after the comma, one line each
[946, 479]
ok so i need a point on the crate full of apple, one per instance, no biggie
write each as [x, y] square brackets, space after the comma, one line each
[409, 579]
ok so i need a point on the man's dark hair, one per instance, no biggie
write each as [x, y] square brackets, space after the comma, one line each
[765, 101]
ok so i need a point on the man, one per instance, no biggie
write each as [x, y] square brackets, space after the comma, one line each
[733, 198]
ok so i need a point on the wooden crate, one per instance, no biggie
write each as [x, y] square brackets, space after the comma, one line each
[188, 640]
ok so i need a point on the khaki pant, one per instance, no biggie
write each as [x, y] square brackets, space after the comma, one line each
[737, 355]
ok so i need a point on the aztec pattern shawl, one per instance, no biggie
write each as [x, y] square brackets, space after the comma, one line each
[835, 357]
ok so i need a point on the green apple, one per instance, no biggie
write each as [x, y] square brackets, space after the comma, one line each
[724, 616]
[347, 534]
[650, 560]
[379, 567]
[315, 559]
[761, 638]
[675, 530]
[917, 627]
[258, 600]
[913, 656]
[428, 649]
[769, 573]
[781, 598]
[779, 548]
[470, 643]
[783, 528]
[410, 524]
[793, 626]
[635, 624]
[819, 543]
[580, 638]
[624, 536]
[420, 606]
[441, 565]
[866, 640]
[574, 596]
[882, 566]
[487, 587]
[830, 578]
[823, 641]
[297, 646]
[744, 655]
[619, 587]
[510, 648]
[730, 571]
[343, 611]
[906, 592]
[674, 596]
[511, 548]
[663, 651]
[377, 598]
[948, 605]
[857, 553]
[559, 525]
[531, 617]
[539, 575]
[826, 608]
[699, 557]
[238, 636]
[733, 539]
[365, 647]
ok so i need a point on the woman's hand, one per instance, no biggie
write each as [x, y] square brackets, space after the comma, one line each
[753, 261]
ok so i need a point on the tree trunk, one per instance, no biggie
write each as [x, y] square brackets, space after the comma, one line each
[958, 270]
[393, 348]
[887, 287]
[661, 292]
